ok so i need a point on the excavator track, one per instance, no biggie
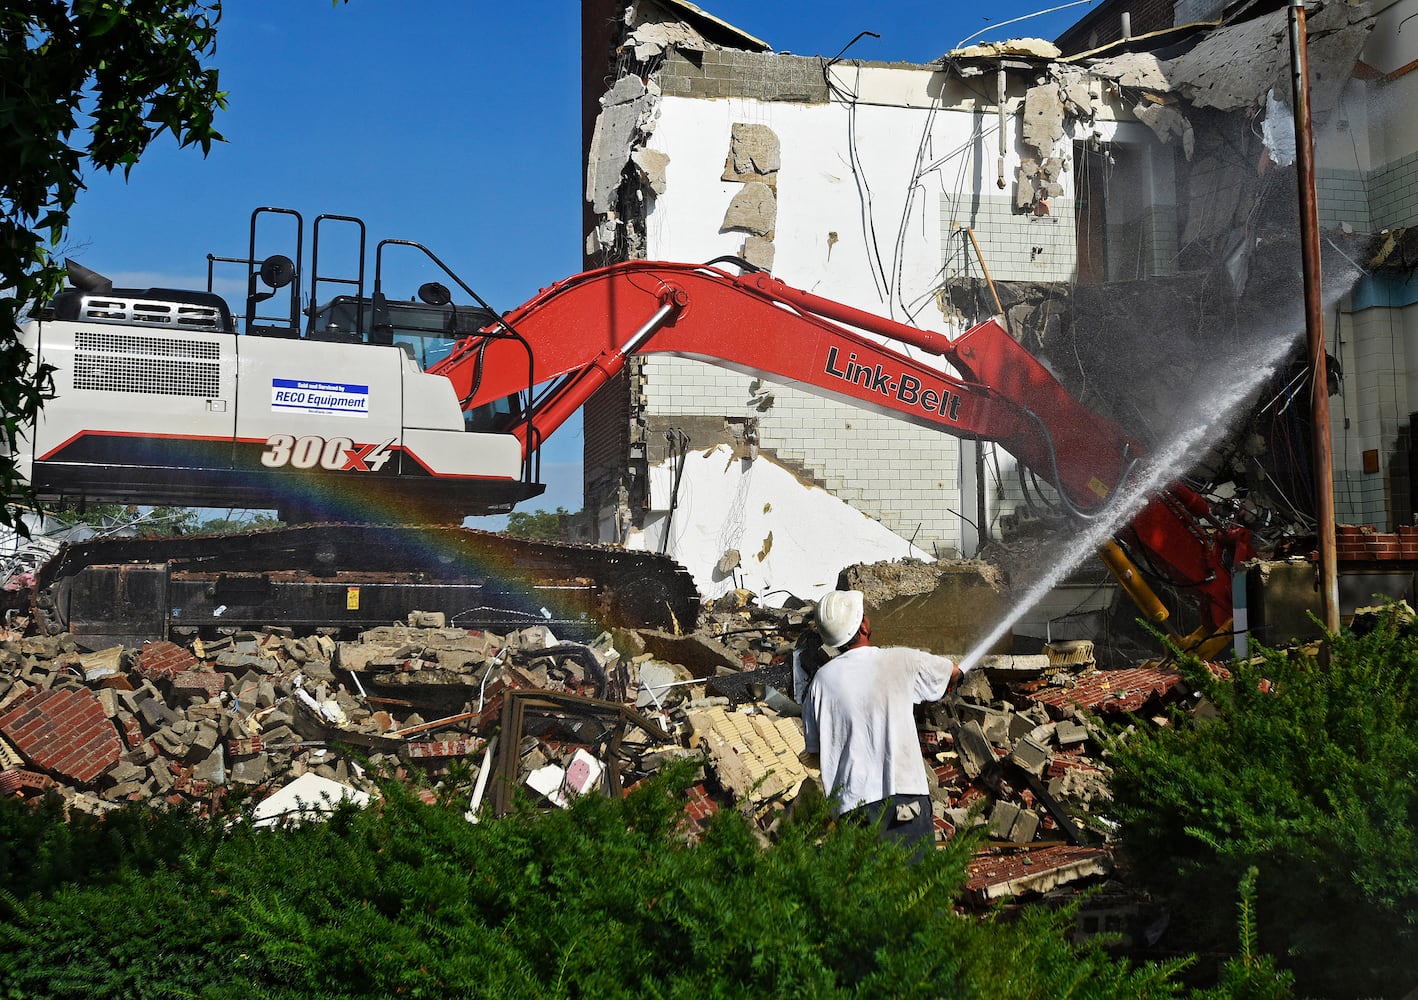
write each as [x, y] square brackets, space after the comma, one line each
[343, 578]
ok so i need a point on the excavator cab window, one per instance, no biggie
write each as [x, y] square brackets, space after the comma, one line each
[495, 416]
[425, 332]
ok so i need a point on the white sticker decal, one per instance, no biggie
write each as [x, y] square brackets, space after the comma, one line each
[343, 399]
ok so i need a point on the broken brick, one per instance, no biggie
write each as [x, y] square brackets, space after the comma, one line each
[198, 684]
[16, 781]
[1111, 690]
[443, 748]
[160, 660]
[244, 747]
[63, 731]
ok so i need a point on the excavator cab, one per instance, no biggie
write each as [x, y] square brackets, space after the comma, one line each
[425, 332]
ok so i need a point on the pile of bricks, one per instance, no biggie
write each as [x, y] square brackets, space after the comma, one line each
[254, 711]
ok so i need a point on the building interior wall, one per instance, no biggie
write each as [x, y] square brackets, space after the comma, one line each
[1367, 179]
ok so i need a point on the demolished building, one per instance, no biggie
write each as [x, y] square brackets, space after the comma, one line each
[1129, 209]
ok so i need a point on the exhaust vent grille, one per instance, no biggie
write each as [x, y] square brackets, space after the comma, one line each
[151, 312]
[167, 366]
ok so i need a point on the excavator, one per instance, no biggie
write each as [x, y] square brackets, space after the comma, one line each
[374, 424]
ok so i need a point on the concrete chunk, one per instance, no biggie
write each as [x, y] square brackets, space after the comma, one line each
[155, 713]
[1043, 118]
[251, 770]
[212, 768]
[754, 210]
[754, 150]
[1030, 756]
[651, 164]
[976, 687]
[996, 727]
[204, 741]
[1002, 818]
[973, 748]
[1026, 824]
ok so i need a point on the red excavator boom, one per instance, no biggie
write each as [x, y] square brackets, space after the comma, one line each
[576, 335]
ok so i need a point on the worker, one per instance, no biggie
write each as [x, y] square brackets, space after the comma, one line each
[860, 725]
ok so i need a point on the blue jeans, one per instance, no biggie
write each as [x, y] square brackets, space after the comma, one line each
[917, 831]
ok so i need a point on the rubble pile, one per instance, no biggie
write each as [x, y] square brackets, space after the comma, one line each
[485, 719]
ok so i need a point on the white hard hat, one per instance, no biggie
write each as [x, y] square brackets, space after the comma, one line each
[839, 615]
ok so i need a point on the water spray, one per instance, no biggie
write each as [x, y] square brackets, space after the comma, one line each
[1150, 478]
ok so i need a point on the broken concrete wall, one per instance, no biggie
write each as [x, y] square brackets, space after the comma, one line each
[1222, 105]
[789, 538]
[755, 157]
[946, 607]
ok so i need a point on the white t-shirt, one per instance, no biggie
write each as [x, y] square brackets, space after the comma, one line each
[858, 719]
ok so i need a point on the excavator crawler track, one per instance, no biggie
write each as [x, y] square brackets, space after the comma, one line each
[343, 578]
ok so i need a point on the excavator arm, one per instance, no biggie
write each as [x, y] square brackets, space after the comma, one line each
[577, 335]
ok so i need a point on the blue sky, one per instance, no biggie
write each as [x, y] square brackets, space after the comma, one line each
[452, 123]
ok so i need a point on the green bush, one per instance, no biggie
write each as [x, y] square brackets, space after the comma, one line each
[1308, 773]
[606, 899]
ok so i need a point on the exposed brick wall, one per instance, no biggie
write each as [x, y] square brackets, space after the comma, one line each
[1189, 11]
[728, 73]
[1364, 543]
[1103, 24]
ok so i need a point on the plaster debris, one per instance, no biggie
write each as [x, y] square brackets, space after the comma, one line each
[754, 209]
[1043, 118]
[652, 164]
[603, 237]
[626, 109]
[1037, 48]
[1233, 68]
[753, 152]
[1076, 90]
[1135, 70]
[655, 38]
[759, 251]
[1168, 123]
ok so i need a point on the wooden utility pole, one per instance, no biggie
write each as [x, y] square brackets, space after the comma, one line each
[1314, 318]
